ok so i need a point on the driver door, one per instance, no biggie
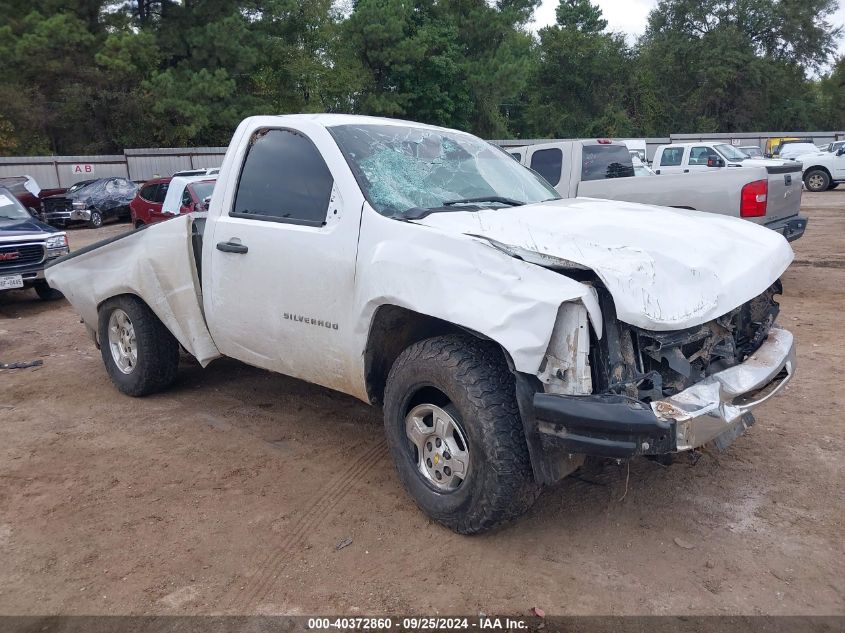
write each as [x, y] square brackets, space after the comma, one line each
[282, 258]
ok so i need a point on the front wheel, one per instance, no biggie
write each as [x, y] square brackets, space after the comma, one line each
[454, 430]
[46, 293]
[140, 354]
[816, 180]
[96, 220]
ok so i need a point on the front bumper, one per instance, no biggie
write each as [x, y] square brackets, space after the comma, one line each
[71, 215]
[34, 273]
[716, 409]
[791, 228]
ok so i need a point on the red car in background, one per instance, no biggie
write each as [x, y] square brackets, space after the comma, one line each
[145, 208]
[148, 205]
[25, 189]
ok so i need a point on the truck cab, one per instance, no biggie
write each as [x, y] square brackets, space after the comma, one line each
[690, 158]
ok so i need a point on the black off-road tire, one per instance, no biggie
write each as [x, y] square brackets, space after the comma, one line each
[819, 178]
[158, 349]
[46, 293]
[473, 376]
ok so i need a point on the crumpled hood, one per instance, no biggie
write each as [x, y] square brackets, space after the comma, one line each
[666, 269]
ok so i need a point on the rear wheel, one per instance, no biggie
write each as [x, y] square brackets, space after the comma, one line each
[454, 430]
[138, 224]
[46, 293]
[140, 354]
[816, 180]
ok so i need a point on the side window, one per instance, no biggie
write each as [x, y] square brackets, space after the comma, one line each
[161, 193]
[148, 192]
[284, 179]
[548, 163]
[672, 156]
[517, 156]
[700, 155]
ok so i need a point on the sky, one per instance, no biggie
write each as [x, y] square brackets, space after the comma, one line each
[630, 16]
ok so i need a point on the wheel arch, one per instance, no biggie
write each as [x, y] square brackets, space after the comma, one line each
[103, 302]
[392, 330]
[817, 167]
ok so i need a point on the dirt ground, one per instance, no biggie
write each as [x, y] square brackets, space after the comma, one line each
[231, 492]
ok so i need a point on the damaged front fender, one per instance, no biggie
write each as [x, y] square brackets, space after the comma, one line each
[465, 281]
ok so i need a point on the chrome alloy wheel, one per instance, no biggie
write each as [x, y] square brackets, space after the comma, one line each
[122, 343]
[441, 449]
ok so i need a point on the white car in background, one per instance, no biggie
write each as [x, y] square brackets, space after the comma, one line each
[824, 171]
[637, 148]
[640, 168]
[179, 200]
[685, 158]
[794, 151]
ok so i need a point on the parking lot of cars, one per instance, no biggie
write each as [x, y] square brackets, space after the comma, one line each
[243, 491]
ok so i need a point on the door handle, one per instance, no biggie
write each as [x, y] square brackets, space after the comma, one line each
[686, 171]
[232, 247]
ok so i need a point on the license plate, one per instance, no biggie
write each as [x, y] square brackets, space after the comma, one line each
[11, 281]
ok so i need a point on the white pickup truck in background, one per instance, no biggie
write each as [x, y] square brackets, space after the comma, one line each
[824, 170]
[767, 193]
[699, 156]
[506, 332]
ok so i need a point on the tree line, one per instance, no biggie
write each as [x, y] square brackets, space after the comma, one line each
[97, 76]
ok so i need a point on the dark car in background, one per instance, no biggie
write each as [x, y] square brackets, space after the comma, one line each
[27, 190]
[26, 246]
[92, 202]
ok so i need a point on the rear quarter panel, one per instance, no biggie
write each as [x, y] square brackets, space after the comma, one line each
[155, 264]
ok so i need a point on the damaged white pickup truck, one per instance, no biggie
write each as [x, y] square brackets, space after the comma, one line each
[506, 333]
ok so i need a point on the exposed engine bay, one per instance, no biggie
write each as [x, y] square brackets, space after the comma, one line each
[650, 365]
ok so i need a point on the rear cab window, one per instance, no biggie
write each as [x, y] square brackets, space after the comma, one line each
[549, 164]
[283, 179]
[603, 161]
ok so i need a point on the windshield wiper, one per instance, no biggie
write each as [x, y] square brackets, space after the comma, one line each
[508, 201]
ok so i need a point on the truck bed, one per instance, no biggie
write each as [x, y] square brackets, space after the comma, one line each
[714, 192]
[159, 263]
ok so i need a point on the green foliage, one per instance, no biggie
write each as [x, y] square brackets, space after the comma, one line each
[94, 76]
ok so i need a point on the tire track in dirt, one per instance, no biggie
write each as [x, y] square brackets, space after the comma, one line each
[259, 586]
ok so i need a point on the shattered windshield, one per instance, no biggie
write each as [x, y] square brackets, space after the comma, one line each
[400, 168]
